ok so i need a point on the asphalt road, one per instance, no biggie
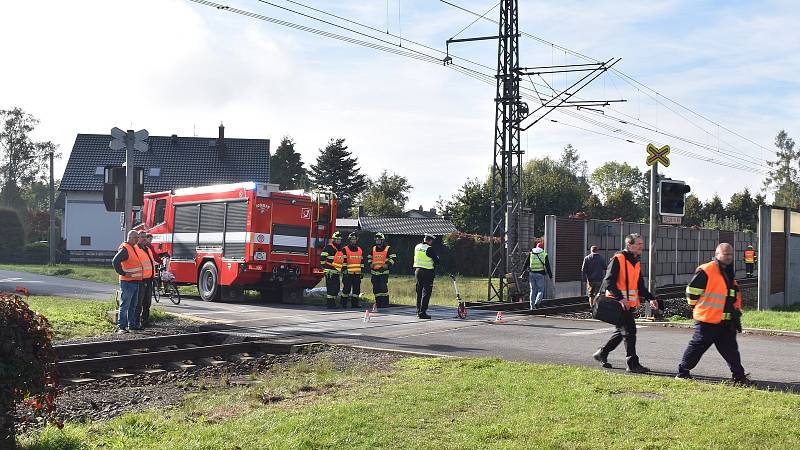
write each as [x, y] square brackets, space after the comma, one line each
[772, 360]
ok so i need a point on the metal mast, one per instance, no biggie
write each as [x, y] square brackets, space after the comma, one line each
[506, 177]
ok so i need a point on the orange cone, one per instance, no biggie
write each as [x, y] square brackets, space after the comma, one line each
[499, 317]
[366, 316]
[375, 307]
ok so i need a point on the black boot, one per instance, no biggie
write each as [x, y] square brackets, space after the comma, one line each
[344, 302]
[602, 357]
[331, 303]
[354, 303]
[634, 366]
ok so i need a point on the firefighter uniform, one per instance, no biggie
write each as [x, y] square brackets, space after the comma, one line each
[425, 261]
[351, 280]
[332, 259]
[750, 259]
[380, 260]
[716, 301]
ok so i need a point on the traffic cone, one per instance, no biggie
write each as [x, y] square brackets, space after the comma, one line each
[366, 316]
[375, 307]
[499, 317]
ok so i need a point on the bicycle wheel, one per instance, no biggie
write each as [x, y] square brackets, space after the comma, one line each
[156, 289]
[171, 291]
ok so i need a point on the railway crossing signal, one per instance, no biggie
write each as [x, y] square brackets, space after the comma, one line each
[129, 140]
[672, 198]
[657, 155]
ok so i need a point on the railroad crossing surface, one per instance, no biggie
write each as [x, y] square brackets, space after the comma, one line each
[770, 359]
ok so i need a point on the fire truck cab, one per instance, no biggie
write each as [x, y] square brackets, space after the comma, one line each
[244, 236]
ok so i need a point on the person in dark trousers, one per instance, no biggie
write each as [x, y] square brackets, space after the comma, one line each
[716, 303]
[623, 282]
[380, 260]
[353, 265]
[331, 260]
[146, 288]
[425, 262]
[128, 264]
[750, 259]
[538, 264]
[593, 270]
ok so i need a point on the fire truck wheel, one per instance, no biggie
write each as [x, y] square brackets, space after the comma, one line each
[208, 282]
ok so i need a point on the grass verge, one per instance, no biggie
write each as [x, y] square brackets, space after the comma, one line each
[452, 403]
[72, 318]
[100, 274]
[778, 320]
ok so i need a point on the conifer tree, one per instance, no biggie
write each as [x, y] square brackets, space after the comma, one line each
[337, 170]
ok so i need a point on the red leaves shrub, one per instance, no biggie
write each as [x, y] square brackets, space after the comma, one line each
[28, 370]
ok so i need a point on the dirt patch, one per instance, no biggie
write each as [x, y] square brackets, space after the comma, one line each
[107, 398]
[645, 395]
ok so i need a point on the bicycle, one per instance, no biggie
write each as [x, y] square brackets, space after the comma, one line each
[164, 286]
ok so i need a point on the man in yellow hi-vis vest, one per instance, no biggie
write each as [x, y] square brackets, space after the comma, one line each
[425, 262]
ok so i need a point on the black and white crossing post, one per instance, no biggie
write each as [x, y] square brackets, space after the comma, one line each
[129, 140]
[654, 156]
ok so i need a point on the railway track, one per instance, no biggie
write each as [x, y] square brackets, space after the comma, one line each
[576, 304]
[117, 358]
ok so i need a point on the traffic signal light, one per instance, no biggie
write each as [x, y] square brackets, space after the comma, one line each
[672, 197]
[114, 188]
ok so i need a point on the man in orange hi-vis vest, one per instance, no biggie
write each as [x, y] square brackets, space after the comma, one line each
[623, 282]
[128, 264]
[750, 259]
[716, 302]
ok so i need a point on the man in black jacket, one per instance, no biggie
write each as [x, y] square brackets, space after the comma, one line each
[625, 284]
[593, 270]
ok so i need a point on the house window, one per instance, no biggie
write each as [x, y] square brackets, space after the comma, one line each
[161, 206]
[86, 240]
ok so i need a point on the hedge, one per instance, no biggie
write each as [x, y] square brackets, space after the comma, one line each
[12, 234]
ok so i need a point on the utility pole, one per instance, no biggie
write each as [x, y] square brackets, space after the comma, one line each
[128, 213]
[651, 247]
[52, 237]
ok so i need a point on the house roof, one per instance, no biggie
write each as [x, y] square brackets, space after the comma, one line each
[411, 226]
[181, 161]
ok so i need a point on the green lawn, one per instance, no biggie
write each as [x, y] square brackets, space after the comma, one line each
[100, 274]
[452, 404]
[402, 290]
[767, 320]
[76, 318]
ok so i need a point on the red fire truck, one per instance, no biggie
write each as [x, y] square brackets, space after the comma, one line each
[231, 237]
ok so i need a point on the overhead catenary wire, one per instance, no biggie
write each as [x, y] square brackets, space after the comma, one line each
[390, 47]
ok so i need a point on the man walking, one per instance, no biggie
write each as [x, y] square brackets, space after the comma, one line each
[127, 263]
[623, 282]
[593, 270]
[332, 259]
[380, 260]
[538, 266]
[353, 264]
[716, 305]
[750, 259]
[425, 262]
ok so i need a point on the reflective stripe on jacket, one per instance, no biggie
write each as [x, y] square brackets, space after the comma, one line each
[421, 258]
[537, 261]
[628, 273]
[749, 256]
[353, 260]
[331, 259]
[379, 259]
[131, 266]
[710, 307]
[147, 262]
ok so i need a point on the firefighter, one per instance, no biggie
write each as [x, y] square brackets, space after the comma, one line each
[351, 280]
[750, 259]
[331, 259]
[716, 303]
[425, 262]
[380, 260]
[624, 284]
[128, 264]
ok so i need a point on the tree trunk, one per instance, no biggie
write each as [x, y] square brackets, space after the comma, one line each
[7, 431]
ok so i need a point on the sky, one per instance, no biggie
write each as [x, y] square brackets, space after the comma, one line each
[178, 67]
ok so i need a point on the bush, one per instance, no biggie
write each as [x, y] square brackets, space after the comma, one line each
[27, 364]
[12, 235]
[36, 252]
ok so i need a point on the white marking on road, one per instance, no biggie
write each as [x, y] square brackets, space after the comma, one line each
[588, 332]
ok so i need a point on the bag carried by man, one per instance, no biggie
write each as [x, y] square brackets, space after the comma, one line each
[606, 309]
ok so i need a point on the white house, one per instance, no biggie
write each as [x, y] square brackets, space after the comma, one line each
[171, 162]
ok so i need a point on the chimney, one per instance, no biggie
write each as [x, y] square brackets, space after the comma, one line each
[174, 139]
[221, 142]
[420, 208]
[433, 211]
[360, 211]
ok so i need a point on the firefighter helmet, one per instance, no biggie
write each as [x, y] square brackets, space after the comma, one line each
[336, 235]
[379, 236]
[428, 236]
[353, 235]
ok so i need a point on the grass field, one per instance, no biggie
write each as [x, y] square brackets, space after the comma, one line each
[76, 318]
[452, 404]
[788, 320]
[100, 274]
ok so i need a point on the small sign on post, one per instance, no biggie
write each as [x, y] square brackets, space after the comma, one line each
[671, 220]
